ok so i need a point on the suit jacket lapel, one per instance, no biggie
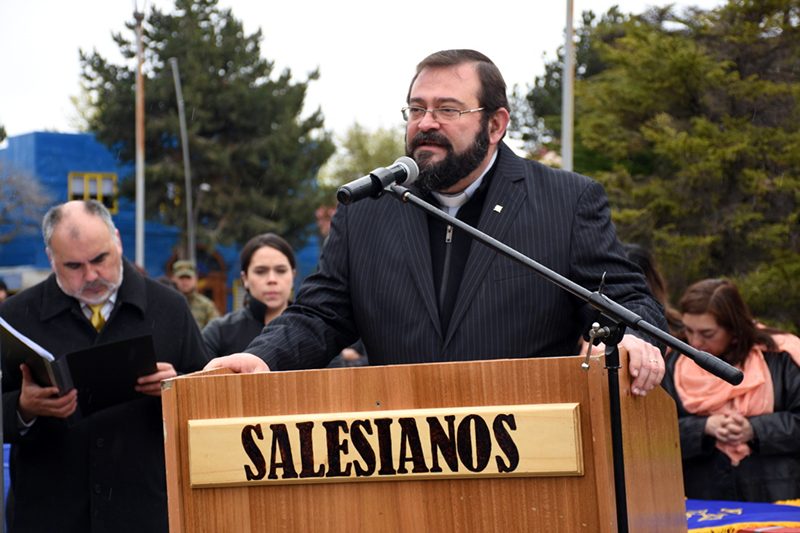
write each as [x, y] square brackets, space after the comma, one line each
[503, 201]
[414, 228]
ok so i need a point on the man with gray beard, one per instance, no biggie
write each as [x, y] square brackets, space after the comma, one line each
[104, 471]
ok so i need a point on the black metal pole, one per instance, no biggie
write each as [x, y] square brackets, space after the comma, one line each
[615, 412]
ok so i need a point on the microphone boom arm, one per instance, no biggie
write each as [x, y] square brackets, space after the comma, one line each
[602, 303]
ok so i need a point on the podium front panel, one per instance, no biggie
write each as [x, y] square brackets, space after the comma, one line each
[557, 502]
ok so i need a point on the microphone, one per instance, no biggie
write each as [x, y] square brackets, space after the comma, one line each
[404, 170]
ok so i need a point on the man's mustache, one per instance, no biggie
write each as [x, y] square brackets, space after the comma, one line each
[97, 284]
[430, 137]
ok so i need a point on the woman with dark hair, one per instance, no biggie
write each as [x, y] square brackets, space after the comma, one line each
[268, 268]
[738, 442]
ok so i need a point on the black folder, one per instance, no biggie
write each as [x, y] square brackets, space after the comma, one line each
[104, 374]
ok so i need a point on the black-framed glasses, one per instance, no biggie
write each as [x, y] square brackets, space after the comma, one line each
[440, 114]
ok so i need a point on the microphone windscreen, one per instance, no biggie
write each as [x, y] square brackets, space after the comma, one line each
[412, 170]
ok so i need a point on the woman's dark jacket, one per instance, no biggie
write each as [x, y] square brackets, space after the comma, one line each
[233, 332]
[772, 471]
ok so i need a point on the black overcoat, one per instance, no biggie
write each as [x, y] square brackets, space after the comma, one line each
[106, 472]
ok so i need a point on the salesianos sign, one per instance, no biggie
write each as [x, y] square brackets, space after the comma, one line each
[483, 441]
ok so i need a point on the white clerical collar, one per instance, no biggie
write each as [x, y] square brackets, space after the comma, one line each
[452, 202]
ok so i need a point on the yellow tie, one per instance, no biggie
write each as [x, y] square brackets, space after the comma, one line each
[97, 319]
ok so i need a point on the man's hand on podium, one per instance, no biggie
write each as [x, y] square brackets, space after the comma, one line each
[241, 363]
[645, 364]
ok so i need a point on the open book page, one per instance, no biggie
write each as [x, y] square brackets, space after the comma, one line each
[17, 348]
[26, 341]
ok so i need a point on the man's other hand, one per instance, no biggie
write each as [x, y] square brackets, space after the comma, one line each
[645, 364]
[151, 383]
[37, 401]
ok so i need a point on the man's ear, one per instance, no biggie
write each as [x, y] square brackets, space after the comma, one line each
[498, 123]
[118, 240]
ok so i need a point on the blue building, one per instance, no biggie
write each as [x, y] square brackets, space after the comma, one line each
[76, 166]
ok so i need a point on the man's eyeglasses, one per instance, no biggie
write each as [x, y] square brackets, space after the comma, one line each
[441, 114]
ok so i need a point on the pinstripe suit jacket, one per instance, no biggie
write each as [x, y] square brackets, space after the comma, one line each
[375, 279]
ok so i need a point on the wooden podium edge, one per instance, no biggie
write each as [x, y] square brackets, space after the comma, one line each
[650, 432]
[169, 413]
[172, 442]
[601, 433]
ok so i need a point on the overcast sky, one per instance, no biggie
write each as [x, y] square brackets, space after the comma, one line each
[366, 51]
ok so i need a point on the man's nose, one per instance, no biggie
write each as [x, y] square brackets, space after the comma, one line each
[91, 273]
[428, 122]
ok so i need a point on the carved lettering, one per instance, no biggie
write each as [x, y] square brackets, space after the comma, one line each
[307, 451]
[443, 442]
[506, 442]
[480, 437]
[253, 452]
[362, 446]
[478, 440]
[282, 447]
[385, 446]
[409, 441]
[336, 447]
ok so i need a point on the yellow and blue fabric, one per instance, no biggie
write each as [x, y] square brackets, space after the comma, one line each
[711, 516]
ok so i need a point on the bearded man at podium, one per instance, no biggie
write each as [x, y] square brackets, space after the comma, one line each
[415, 289]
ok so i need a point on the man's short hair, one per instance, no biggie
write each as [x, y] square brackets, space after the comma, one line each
[55, 214]
[492, 95]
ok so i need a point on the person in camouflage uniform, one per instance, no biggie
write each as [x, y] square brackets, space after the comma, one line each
[184, 275]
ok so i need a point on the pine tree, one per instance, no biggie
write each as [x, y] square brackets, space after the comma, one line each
[254, 160]
[693, 126]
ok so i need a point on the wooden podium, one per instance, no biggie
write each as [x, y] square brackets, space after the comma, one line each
[541, 503]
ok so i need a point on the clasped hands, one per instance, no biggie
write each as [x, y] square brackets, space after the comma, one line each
[729, 428]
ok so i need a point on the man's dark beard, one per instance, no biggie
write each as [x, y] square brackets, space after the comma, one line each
[454, 167]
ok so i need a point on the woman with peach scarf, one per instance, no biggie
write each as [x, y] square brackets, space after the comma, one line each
[738, 443]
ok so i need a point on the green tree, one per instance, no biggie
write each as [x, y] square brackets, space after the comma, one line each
[252, 155]
[694, 126]
[536, 114]
[361, 151]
